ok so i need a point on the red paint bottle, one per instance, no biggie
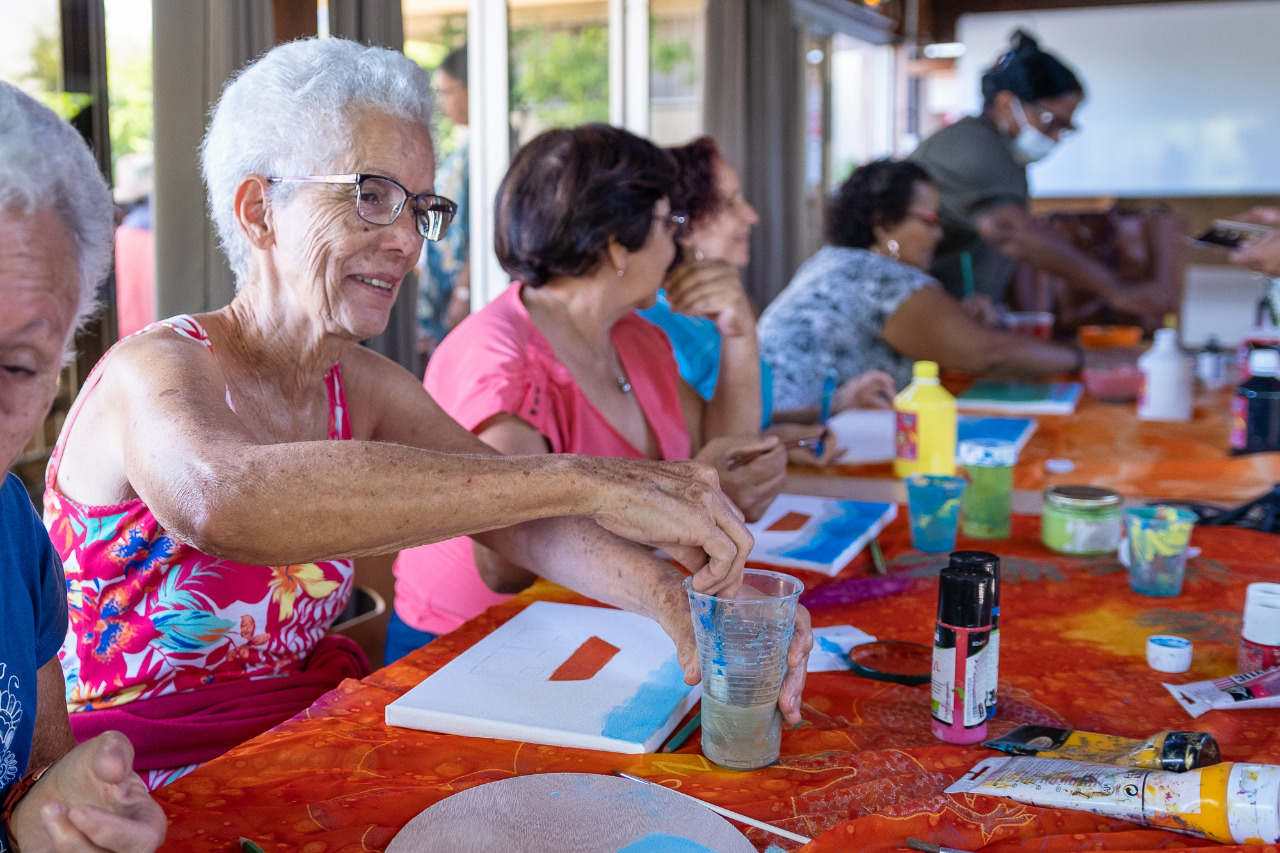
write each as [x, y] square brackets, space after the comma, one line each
[960, 639]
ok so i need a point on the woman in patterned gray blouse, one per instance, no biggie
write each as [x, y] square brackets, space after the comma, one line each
[864, 302]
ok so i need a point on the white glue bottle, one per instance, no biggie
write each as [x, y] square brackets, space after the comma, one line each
[1166, 380]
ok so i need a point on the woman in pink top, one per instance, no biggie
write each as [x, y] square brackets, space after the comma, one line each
[561, 363]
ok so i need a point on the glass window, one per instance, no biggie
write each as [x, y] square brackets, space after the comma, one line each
[676, 39]
[559, 65]
[31, 53]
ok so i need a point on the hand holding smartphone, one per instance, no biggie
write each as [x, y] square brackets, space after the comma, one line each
[1228, 234]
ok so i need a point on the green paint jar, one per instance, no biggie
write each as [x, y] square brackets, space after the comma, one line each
[1081, 520]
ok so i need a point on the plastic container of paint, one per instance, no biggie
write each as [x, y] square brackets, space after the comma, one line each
[960, 638]
[1260, 630]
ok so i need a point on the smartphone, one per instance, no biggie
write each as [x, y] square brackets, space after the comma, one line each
[1226, 234]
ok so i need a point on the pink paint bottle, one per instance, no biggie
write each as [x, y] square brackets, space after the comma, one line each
[1260, 633]
[960, 639]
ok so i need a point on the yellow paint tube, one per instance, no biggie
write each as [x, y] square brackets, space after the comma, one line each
[1229, 803]
[1173, 751]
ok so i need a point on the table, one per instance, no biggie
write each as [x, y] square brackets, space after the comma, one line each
[1110, 447]
[861, 773]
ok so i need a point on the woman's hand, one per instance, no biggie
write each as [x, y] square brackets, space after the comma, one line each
[1262, 256]
[801, 440]
[712, 289]
[90, 800]
[675, 506]
[872, 390]
[752, 470]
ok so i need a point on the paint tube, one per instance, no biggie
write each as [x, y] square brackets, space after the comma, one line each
[1228, 803]
[1259, 689]
[1176, 752]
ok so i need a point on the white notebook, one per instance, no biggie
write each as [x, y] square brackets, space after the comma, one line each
[818, 534]
[562, 675]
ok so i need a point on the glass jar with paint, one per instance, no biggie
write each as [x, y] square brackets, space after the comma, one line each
[1081, 520]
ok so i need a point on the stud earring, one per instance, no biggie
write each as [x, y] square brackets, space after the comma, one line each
[697, 255]
[893, 249]
[622, 270]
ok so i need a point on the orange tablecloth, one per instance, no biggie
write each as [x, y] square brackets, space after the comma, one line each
[1110, 447]
[861, 773]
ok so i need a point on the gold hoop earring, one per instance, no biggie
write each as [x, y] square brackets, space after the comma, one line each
[892, 245]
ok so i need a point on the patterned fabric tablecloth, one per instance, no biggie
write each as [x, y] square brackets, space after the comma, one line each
[862, 773]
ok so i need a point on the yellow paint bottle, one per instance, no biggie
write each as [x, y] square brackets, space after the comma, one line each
[925, 439]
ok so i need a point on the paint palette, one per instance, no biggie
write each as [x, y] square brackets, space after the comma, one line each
[569, 813]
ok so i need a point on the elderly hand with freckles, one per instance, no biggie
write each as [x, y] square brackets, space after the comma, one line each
[55, 248]
[219, 472]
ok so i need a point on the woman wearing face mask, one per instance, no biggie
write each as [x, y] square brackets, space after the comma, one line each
[979, 165]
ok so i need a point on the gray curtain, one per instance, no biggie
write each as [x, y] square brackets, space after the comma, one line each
[752, 106]
[381, 22]
[197, 45]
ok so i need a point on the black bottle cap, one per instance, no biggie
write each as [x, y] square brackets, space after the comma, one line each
[984, 560]
[965, 597]
[1183, 751]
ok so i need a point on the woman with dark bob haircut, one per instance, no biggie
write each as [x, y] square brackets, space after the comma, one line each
[561, 362]
[979, 164]
[864, 301]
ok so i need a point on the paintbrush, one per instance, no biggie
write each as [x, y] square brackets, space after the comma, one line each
[723, 811]
[736, 462]
[926, 847]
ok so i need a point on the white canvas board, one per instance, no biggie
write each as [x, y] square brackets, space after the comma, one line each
[503, 687]
[818, 534]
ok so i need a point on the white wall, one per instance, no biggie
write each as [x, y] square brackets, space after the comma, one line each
[1183, 98]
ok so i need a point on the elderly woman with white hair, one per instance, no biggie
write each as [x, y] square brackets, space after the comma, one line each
[218, 472]
[55, 246]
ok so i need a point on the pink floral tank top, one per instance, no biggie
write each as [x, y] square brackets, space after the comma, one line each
[151, 615]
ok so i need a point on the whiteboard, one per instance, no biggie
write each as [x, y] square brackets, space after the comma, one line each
[1181, 98]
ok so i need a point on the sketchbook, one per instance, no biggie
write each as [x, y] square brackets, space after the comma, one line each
[561, 675]
[1022, 398]
[818, 534]
[867, 434]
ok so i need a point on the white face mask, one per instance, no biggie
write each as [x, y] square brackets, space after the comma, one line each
[1031, 143]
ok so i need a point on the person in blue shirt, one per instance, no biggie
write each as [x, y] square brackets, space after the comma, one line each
[56, 221]
[715, 245]
[444, 294]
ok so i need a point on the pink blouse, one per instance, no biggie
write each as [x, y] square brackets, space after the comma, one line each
[496, 361]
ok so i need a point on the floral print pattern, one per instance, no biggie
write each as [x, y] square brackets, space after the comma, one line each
[151, 615]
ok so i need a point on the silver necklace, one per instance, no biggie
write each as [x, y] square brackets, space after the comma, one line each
[619, 378]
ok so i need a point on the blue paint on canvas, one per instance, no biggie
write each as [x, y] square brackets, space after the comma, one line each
[652, 705]
[659, 842]
[851, 521]
[1017, 430]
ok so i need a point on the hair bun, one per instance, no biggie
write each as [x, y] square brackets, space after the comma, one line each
[1023, 43]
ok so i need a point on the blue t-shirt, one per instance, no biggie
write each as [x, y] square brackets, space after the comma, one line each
[33, 624]
[696, 342]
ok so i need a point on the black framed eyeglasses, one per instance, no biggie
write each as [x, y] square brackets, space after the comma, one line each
[1050, 123]
[379, 201]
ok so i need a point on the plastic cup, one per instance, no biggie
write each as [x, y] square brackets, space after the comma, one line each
[1158, 537]
[934, 504]
[987, 503]
[742, 646]
[1035, 324]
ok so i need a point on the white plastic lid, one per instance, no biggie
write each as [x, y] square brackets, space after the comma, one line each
[987, 452]
[1166, 653]
[1264, 361]
[1260, 590]
[1262, 620]
[1253, 803]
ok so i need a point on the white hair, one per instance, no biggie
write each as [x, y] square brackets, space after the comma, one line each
[292, 113]
[46, 165]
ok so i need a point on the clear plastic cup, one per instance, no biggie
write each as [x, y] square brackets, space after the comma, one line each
[987, 504]
[934, 504]
[1035, 324]
[742, 646]
[1158, 537]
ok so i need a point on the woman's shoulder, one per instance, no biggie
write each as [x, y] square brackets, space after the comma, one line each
[498, 342]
